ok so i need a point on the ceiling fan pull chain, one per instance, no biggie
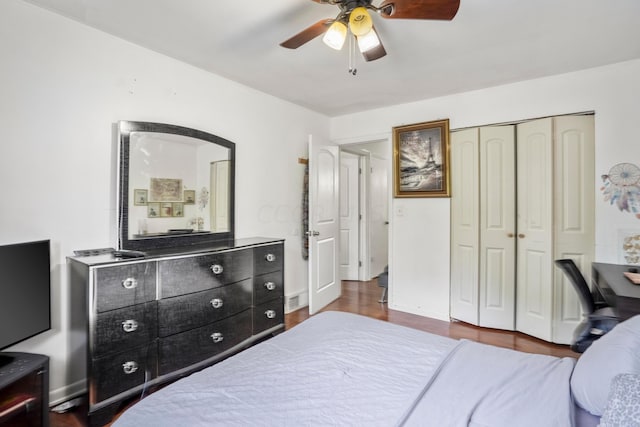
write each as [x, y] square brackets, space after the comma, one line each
[352, 56]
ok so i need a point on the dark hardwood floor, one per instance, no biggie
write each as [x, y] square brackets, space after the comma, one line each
[362, 298]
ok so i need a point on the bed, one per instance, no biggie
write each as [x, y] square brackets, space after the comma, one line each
[344, 369]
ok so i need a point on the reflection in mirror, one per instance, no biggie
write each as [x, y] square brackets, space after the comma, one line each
[176, 186]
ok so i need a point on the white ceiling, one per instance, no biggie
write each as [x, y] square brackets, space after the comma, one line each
[488, 43]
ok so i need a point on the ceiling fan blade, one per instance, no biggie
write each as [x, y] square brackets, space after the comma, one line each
[419, 9]
[307, 34]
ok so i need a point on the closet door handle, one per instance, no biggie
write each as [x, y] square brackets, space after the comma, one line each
[510, 235]
[522, 236]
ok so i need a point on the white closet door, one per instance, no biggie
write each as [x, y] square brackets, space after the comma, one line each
[574, 215]
[464, 225]
[497, 227]
[535, 229]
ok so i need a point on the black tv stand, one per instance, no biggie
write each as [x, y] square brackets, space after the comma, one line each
[24, 389]
[5, 359]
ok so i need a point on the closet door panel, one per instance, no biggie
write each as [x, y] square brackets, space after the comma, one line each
[464, 225]
[574, 218]
[535, 228]
[497, 227]
[536, 295]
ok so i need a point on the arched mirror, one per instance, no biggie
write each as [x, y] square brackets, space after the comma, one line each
[176, 186]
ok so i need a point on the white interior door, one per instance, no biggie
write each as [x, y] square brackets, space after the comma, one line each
[324, 224]
[535, 229]
[349, 216]
[497, 227]
[379, 215]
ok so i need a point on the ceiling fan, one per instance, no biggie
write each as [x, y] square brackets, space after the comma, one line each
[355, 18]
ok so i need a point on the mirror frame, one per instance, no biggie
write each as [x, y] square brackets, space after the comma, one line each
[125, 128]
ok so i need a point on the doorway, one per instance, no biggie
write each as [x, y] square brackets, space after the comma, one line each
[364, 209]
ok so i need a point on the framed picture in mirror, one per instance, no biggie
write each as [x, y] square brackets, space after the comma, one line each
[189, 197]
[153, 210]
[140, 197]
[178, 209]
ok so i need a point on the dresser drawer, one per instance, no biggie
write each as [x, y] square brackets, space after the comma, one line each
[268, 258]
[119, 372]
[124, 285]
[186, 312]
[267, 287]
[117, 330]
[268, 315]
[193, 274]
[181, 350]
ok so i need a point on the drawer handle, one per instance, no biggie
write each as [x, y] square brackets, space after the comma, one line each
[217, 269]
[270, 257]
[216, 303]
[129, 367]
[270, 286]
[129, 325]
[271, 314]
[217, 337]
[130, 283]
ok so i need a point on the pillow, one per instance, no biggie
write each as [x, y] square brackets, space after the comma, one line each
[617, 352]
[623, 407]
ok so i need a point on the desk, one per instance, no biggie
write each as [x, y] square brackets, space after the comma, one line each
[610, 285]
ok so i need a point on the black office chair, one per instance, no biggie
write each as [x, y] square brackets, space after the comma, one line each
[599, 317]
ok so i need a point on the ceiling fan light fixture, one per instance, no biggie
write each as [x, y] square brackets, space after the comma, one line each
[368, 41]
[360, 22]
[335, 35]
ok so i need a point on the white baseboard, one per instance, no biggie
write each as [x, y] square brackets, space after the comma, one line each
[67, 392]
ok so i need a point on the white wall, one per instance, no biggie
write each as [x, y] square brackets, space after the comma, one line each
[419, 258]
[63, 86]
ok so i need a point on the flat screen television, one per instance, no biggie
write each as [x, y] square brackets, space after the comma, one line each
[25, 292]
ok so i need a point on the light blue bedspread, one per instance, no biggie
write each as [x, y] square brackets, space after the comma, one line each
[341, 369]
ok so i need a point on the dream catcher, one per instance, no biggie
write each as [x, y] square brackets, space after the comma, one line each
[621, 186]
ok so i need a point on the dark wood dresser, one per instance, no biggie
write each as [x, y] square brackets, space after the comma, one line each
[148, 321]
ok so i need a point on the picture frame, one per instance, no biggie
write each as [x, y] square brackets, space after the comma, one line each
[165, 190]
[421, 159]
[166, 209]
[140, 197]
[189, 197]
[177, 209]
[153, 210]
